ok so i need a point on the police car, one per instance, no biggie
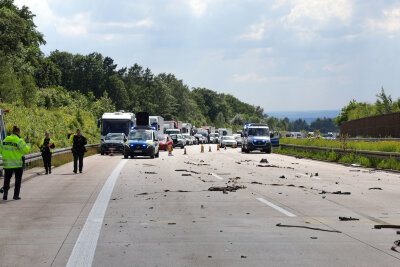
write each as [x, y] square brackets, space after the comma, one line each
[142, 141]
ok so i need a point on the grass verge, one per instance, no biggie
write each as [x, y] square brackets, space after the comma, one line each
[384, 146]
[393, 164]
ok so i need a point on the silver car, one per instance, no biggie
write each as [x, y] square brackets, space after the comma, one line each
[228, 141]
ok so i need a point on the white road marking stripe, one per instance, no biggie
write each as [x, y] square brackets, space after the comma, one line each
[276, 207]
[85, 246]
[216, 176]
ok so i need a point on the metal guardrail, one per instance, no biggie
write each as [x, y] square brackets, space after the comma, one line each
[38, 155]
[364, 153]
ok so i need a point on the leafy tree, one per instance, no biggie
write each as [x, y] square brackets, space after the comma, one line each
[299, 125]
[383, 103]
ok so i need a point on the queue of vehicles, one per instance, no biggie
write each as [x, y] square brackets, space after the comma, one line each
[143, 135]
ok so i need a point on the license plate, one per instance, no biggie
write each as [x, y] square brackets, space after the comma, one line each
[259, 148]
[137, 151]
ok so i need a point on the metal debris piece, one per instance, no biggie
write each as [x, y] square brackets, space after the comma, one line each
[348, 219]
[268, 166]
[282, 177]
[395, 245]
[171, 223]
[341, 193]
[150, 172]
[264, 161]
[374, 188]
[186, 174]
[256, 183]
[380, 226]
[306, 227]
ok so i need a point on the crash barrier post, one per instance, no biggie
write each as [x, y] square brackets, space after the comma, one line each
[169, 150]
[217, 147]
[184, 151]
[233, 144]
[202, 149]
[111, 152]
[209, 149]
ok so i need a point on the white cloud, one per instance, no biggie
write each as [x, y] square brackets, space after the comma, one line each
[256, 32]
[253, 77]
[198, 7]
[390, 23]
[307, 17]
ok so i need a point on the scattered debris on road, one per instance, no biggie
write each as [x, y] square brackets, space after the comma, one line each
[264, 161]
[267, 166]
[171, 223]
[306, 227]
[186, 174]
[348, 219]
[314, 237]
[256, 183]
[226, 189]
[375, 188]
[282, 177]
[150, 172]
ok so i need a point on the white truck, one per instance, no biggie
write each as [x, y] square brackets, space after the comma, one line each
[187, 128]
[158, 122]
[116, 122]
[224, 132]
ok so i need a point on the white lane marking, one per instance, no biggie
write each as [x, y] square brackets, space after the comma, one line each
[85, 246]
[216, 176]
[272, 205]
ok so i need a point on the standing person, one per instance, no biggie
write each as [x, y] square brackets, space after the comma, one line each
[47, 147]
[12, 149]
[78, 142]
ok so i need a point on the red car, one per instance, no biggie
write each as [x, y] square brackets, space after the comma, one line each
[165, 141]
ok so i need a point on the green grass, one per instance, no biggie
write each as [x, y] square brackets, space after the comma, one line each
[350, 158]
[35, 121]
[385, 146]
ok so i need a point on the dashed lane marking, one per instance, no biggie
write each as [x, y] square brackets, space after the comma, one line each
[85, 246]
[272, 205]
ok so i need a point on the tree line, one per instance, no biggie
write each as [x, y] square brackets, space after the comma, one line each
[95, 83]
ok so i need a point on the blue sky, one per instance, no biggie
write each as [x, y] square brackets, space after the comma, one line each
[279, 54]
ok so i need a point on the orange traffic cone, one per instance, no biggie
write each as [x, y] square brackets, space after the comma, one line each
[111, 151]
[217, 147]
[169, 150]
[225, 147]
[202, 149]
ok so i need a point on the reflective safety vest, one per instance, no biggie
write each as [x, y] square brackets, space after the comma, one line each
[12, 149]
[71, 139]
[51, 142]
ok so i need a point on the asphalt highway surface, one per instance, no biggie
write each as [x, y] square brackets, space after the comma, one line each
[219, 208]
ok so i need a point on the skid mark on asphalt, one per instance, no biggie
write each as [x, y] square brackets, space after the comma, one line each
[85, 246]
[272, 205]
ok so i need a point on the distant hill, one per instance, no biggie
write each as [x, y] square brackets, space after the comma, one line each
[308, 115]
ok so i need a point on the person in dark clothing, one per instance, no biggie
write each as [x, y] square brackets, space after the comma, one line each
[78, 142]
[47, 147]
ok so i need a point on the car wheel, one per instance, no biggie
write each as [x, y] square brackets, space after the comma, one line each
[158, 154]
[268, 151]
[125, 156]
[102, 153]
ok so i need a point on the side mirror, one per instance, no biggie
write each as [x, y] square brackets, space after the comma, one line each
[125, 139]
[271, 135]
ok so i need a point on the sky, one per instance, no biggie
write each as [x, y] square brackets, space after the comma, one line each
[279, 54]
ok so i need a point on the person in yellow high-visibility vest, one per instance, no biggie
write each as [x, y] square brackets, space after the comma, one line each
[12, 150]
[47, 148]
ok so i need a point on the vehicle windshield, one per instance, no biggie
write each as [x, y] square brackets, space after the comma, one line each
[162, 138]
[114, 137]
[179, 136]
[115, 126]
[186, 136]
[258, 132]
[228, 138]
[140, 135]
[214, 135]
